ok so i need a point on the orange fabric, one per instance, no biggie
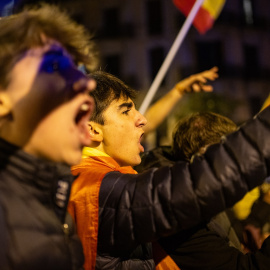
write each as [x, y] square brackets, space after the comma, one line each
[83, 205]
[162, 260]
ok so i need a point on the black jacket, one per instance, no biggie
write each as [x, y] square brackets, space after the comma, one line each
[206, 246]
[201, 248]
[136, 209]
[35, 232]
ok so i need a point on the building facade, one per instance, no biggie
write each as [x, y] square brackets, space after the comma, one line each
[135, 36]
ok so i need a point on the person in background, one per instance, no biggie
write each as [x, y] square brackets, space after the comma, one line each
[251, 215]
[212, 245]
[254, 229]
[119, 213]
[44, 109]
[192, 135]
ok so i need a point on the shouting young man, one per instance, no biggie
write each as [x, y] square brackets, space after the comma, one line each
[44, 109]
[119, 212]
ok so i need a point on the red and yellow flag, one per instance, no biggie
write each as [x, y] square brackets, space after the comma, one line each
[206, 15]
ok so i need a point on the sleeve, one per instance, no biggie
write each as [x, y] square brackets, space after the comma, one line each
[141, 208]
[199, 249]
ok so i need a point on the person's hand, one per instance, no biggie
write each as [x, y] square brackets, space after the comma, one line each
[197, 82]
[265, 189]
[266, 197]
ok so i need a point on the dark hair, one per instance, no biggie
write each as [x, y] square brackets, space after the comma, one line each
[199, 130]
[108, 89]
[20, 32]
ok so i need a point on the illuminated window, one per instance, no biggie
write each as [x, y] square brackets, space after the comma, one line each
[248, 7]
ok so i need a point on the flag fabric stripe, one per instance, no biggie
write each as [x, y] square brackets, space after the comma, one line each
[203, 22]
[206, 15]
[214, 7]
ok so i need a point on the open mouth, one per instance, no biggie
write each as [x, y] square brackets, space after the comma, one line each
[140, 145]
[84, 112]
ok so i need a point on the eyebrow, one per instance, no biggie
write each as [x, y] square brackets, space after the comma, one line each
[125, 104]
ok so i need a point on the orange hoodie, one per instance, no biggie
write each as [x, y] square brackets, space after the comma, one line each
[84, 207]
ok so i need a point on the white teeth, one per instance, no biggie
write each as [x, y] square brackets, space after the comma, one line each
[84, 107]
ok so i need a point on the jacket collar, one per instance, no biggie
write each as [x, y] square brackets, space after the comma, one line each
[104, 159]
[92, 152]
[52, 181]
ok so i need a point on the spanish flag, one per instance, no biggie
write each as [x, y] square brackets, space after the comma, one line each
[206, 15]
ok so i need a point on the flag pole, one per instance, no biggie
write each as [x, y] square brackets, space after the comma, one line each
[170, 56]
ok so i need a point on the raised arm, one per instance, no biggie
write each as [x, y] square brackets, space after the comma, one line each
[141, 208]
[161, 109]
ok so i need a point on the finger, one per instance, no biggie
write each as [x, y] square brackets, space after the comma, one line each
[210, 74]
[202, 79]
[210, 77]
[196, 87]
[207, 88]
[199, 78]
[213, 69]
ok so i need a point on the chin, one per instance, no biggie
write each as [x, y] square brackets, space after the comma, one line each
[76, 159]
[137, 162]
[131, 161]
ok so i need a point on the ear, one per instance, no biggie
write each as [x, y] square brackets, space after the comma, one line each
[95, 132]
[5, 104]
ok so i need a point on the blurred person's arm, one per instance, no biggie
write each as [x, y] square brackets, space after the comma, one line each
[194, 83]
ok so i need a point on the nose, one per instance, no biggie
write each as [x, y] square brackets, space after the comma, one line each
[141, 120]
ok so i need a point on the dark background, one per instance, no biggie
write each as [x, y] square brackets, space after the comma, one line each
[135, 36]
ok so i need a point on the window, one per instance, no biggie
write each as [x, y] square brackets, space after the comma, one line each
[251, 68]
[111, 22]
[112, 65]
[248, 8]
[156, 58]
[154, 17]
[209, 54]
